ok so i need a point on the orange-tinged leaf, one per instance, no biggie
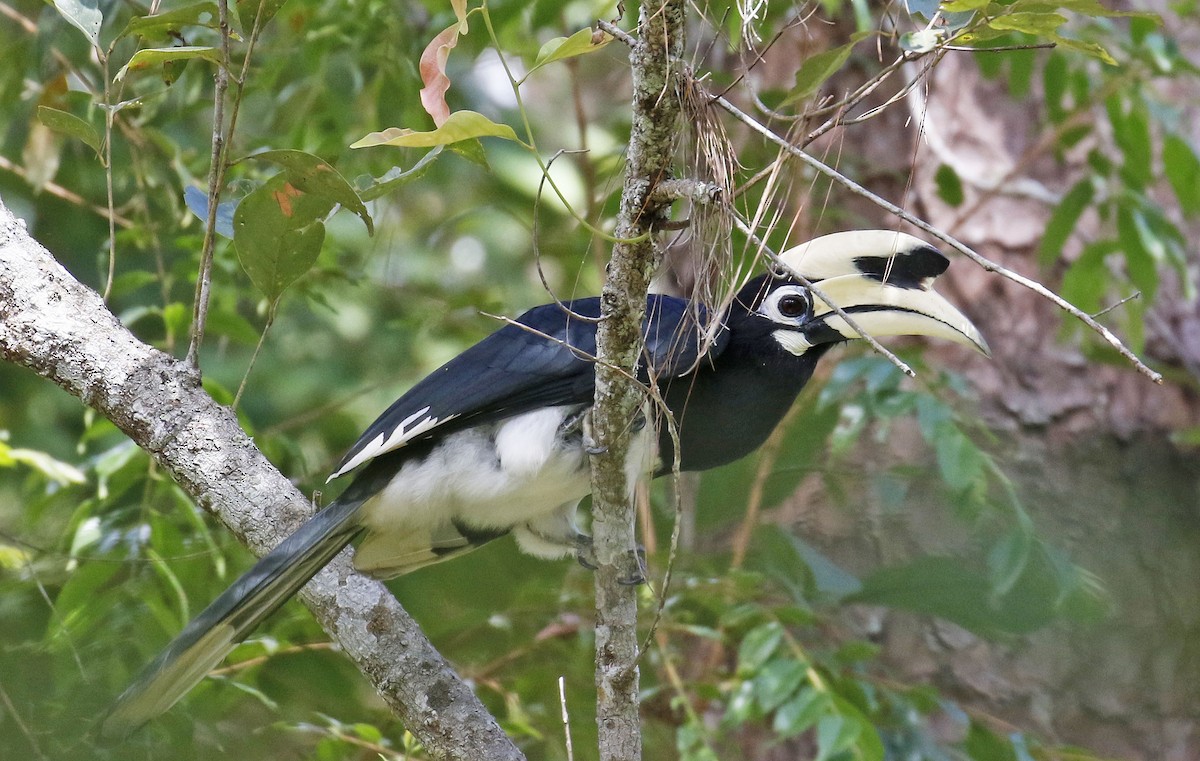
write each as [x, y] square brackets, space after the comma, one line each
[461, 125]
[311, 174]
[433, 72]
[284, 197]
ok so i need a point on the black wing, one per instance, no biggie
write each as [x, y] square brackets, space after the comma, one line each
[545, 359]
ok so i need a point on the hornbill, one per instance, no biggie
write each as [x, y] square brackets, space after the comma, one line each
[496, 440]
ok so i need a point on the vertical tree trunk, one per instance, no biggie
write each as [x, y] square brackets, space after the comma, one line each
[618, 398]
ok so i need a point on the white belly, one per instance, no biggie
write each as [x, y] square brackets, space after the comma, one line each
[490, 478]
[495, 478]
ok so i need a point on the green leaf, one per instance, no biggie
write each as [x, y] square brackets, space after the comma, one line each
[147, 57]
[741, 706]
[84, 15]
[1139, 263]
[1007, 559]
[757, 646]
[965, 5]
[818, 68]
[1029, 23]
[1095, 50]
[932, 413]
[835, 734]
[1063, 220]
[277, 231]
[471, 150]
[256, 14]
[958, 458]
[801, 712]
[560, 48]
[70, 124]
[368, 732]
[1131, 131]
[1094, 8]
[800, 566]
[954, 590]
[228, 323]
[984, 745]
[1088, 279]
[949, 186]
[777, 681]
[462, 125]
[168, 26]
[1183, 172]
[176, 317]
[54, 470]
[369, 188]
[803, 445]
[1054, 86]
[314, 176]
[953, 15]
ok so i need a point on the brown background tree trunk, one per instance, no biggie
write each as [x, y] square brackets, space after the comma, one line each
[1089, 446]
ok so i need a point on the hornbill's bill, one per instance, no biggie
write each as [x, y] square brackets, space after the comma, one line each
[494, 441]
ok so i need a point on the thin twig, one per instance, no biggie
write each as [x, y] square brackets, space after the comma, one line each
[535, 234]
[234, 668]
[70, 196]
[16, 717]
[216, 174]
[987, 264]
[766, 466]
[1000, 49]
[566, 717]
[262, 339]
[109, 116]
[27, 25]
[1127, 299]
[617, 32]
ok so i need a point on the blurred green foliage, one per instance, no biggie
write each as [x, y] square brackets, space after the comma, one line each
[102, 558]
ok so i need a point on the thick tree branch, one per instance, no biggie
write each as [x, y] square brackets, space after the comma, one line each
[61, 329]
[619, 343]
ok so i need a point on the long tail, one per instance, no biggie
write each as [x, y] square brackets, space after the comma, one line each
[231, 617]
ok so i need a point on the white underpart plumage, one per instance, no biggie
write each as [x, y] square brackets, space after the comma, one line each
[521, 474]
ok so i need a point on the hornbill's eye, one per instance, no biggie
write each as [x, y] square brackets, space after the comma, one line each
[793, 305]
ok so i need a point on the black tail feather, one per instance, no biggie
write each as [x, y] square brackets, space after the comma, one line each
[209, 637]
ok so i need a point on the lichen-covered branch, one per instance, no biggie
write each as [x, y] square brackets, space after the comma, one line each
[59, 328]
[654, 59]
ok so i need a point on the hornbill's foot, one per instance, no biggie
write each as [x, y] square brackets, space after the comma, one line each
[635, 569]
[638, 422]
[585, 552]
